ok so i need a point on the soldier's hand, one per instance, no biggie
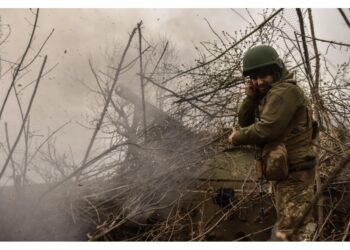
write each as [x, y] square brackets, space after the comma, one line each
[251, 90]
[230, 138]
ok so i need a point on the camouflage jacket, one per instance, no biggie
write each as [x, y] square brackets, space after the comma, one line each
[285, 116]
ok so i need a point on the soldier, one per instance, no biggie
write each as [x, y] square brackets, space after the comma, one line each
[276, 115]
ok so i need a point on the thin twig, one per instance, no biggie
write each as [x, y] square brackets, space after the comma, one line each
[306, 51]
[177, 95]
[160, 58]
[9, 149]
[255, 233]
[325, 40]
[142, 83]
[7, 35]
[316, 97]
[43, 143]
[346, 231]
[40, 49]
[44, 74]
[87, 164]
[26, 148]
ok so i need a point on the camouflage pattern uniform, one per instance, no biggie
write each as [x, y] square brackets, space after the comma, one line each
[292, 196]
[284, 117]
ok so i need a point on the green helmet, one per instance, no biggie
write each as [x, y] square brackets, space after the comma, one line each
[260, 57]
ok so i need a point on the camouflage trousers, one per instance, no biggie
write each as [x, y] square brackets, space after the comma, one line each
[292, 196]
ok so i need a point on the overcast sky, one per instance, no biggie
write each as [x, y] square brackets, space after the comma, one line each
[83, 34]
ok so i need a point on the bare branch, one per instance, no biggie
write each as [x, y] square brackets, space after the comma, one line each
[337, 170]
[228, 49]
[344, 17]
[25, 119]
[18, 68]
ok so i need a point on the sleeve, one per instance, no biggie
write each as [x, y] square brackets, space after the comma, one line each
[276, 115]
[246, 113]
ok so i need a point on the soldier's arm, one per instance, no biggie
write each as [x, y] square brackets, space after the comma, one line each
[274, 120]
[246, 113]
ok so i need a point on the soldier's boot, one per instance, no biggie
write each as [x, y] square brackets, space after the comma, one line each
[308, 233]
[278, 235]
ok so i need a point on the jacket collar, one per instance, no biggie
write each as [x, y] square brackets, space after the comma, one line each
[286, 77]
